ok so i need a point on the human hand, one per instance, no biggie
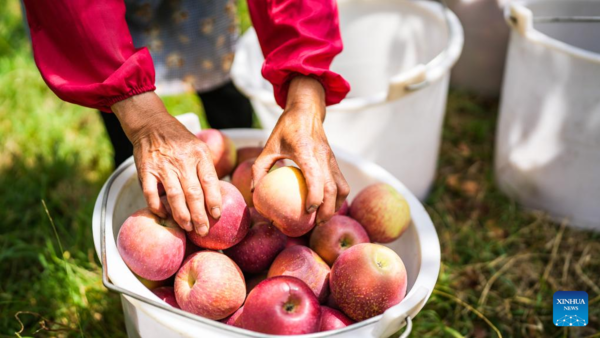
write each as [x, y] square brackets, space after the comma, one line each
[166, 152]
[299, 136]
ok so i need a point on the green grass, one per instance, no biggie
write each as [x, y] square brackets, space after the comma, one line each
[500, 265]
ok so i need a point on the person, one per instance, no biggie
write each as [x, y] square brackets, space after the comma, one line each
[192, 47]
[86, 55]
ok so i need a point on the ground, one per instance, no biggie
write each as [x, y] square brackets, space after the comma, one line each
[500, 264]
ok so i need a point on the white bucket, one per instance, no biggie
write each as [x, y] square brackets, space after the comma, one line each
[548, 140]
[481, 65]
[397, 57]
[147, 316]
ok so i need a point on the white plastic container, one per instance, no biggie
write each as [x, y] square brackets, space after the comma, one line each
[147, 316]
[481, 65]
[548, 140]
[397, 57]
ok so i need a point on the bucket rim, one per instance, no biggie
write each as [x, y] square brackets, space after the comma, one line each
[520, 19]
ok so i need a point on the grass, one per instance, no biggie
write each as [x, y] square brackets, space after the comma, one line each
[500, 265]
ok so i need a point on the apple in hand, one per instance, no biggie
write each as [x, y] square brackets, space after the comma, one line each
[242, 178]
[382, 211]
[153, 248]
[330, 239]
[304, 264]
[233, 225]
[222, 150]
[333, 319]
[210, 285]
[367, 279]
[281, 305]
[167, 295]
[258, 249]
[281, 197]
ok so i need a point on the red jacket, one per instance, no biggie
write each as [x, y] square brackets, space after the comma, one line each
[85, 54]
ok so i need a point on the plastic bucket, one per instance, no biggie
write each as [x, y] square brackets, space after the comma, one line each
[481, 66]
[397, 57]
[147, 316]
[548, 139]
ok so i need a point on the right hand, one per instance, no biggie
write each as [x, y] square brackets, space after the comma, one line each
[166, 152]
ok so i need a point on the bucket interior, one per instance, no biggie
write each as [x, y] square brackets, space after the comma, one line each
[384, 38]
[584, 35]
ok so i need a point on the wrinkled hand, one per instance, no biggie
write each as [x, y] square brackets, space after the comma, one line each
[299, 136]
[166, 152]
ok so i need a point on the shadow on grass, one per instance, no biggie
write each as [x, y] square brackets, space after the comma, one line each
[51, 284]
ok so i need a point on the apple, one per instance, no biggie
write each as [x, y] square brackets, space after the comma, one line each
[222, 150]
[367, 279]
[291, 241]
[153, 284]
[233, 225]
[281, 197]
[246, 153]
[333, 319]
[281, 305]
[242, 178]
[258, 249]
[167, 295]
[304, 264]
[331, 302]
[330, 239]
[343, 210]
[210, 285]
[233, 320]
[382, 211]
[153, 248]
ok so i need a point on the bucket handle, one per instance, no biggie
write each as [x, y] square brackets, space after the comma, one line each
[395, 317]
[521, 18]
[422, 75]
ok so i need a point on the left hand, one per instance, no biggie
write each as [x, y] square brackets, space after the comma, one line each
[299, 136]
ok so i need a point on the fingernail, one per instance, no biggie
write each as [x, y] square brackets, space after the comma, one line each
[189, 226]
[216, 212]
[203, 230]
[312, 209]
[252, 186]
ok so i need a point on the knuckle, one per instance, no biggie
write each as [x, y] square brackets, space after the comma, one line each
[344, 189]
[209, 179]
[330, 187]
[194, 192]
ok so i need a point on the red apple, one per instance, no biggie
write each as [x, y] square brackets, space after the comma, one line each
[367, 279]
[343, 210]
[304, 264]
[153, 248]
[246, 153]
[210, 285]
[258, 249]
[222, 150]
[333, 319]
[382, 211]
[233, 225]
[283, 306]
[331, 302]
[281, 197]
[233, 320]
[242, 179]
[329, 240]
[167, 295]
[291, 241]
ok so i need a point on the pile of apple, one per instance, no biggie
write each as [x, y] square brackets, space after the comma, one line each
[264, 265]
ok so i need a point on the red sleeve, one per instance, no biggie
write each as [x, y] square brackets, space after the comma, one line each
[299, 37]
[84, 51]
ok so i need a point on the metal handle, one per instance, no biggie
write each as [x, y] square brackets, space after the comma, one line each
[395, 317]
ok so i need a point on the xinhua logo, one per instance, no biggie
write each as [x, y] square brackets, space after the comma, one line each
[570, 308]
